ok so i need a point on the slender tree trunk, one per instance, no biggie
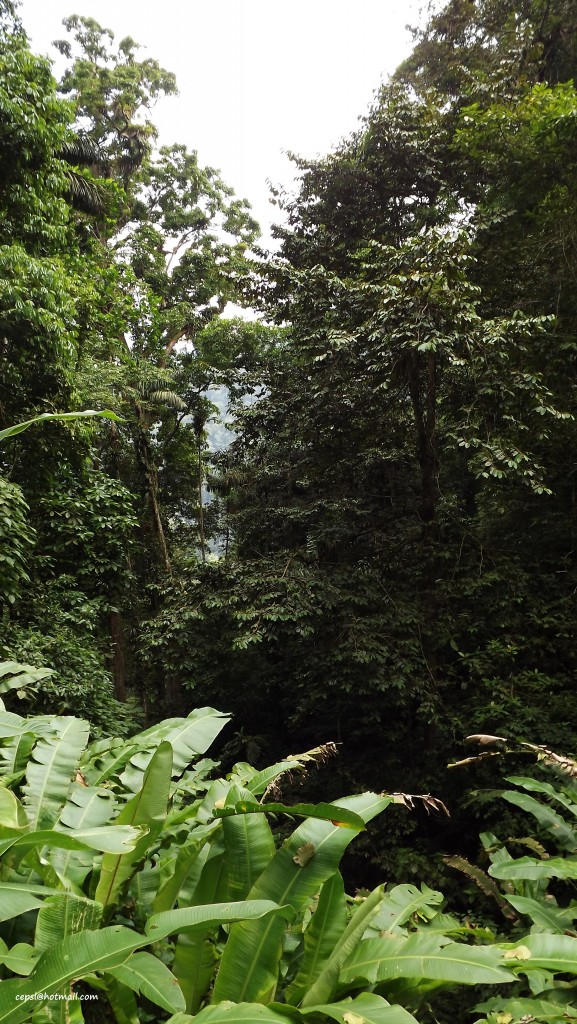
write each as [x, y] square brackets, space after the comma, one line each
[150, 475]
[118, 661]
[200, 502]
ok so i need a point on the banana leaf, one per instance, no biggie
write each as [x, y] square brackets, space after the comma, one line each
[148, 807]
[86, 807]
[321, 991]
[146, 974]
[50, 770]
[565, 835]
[324, 812]
[325, 927]
[248, 846]
[92, 952]
[543, 952]
[423, 956]
[250, 962]
[17, 428]
[530, 869]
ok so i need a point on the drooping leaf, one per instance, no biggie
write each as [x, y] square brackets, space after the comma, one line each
[422, 956]
[146, 974]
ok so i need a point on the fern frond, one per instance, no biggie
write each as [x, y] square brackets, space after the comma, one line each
[482, 880]
[169, 398]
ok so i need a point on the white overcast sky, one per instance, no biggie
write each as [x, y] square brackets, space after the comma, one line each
[255, 77]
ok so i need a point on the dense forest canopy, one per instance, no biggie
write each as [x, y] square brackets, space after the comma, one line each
[378, 562]
[384, 555]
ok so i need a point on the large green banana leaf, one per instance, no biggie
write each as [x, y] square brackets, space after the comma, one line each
[86, 807]
[322, 989]
[399, 905]
[553, 793]
[326, 926]
[324, 812]
[188, 737]
[565, 835]
[148, 807]
[545, 915]
[250, 962]
[237, 1013]
[13, 904]
[423, 956]
[109, 839]
[51, 768]
[146, 974]
[101, 951]
[248, 845]
[543, 952]
[21, 959]
[194, 956]
[366, 1008]
[105, 759]
[530, 869]
[539, 1011]
[181, 867]
[14, 676]
[12, 813]
[63, 915]
[17, 428]
[171, 922]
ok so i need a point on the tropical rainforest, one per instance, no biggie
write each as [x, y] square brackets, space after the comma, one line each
[344, 524]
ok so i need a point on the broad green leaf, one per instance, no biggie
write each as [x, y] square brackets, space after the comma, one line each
[17, 428]
[325, 927]
[324, 812]
[195, 959]
[321, 991]
[553, 793]
[10, 809]
[250, 962]
[546, 952]
[14, 676]
[21, 959]
[189, 737]
[248, 845]
[108, 839]
[531, 869]
[185, 861]
[545, 914]
[212, 916]
[51, 768]
[86, 807]
[564, 834]
[13, 904]
[239, 1013]
[146, 974]
[422, 956]
[366, 1008]
[122, 999]
[402, 902]
[148, 808]
[540, 1011]
[64, 915]
[74, 957]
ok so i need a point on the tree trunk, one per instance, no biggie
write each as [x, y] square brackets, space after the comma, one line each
[118, 662]
[150, 476]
